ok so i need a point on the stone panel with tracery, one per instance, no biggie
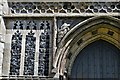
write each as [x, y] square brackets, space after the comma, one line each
[64, 7]
[15, 53]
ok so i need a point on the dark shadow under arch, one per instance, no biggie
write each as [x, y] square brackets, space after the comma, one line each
[99, 59]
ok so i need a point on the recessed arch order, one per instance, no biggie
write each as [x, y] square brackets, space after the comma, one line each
[101, 27]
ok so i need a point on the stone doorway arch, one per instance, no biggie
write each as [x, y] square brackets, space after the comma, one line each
[99, 59]
[84, 33]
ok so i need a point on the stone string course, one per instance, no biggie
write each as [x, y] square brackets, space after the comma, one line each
[64, 7]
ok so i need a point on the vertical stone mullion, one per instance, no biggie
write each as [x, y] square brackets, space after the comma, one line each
[54, 36]
[54, 39]
[22, 54]
[52, 44]
[36, 54]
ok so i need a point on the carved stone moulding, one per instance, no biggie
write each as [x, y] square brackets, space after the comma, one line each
[64, 7]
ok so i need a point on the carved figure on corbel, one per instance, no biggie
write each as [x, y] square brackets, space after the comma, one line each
[62, 31]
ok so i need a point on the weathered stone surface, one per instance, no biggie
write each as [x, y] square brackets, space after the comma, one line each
[57, 29]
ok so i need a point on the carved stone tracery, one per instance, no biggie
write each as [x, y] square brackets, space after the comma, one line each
[64, 7]
[42, 26]
[15, 53]
[44, 51]
[45, 29]
[29, 54]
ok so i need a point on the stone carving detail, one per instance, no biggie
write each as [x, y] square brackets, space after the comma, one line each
[15, 53]
[64, 7]
[63, 30]
[44, 51]
[30, 24]
[42, 28]
[18, 25]
[29, 54]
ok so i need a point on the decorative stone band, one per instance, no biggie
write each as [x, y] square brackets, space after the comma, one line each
[64, 7]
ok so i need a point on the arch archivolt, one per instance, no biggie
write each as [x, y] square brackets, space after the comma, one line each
[87, 42]
[75, 42]
[89, 37]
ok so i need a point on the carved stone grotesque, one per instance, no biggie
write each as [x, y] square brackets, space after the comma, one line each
[63, 30]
